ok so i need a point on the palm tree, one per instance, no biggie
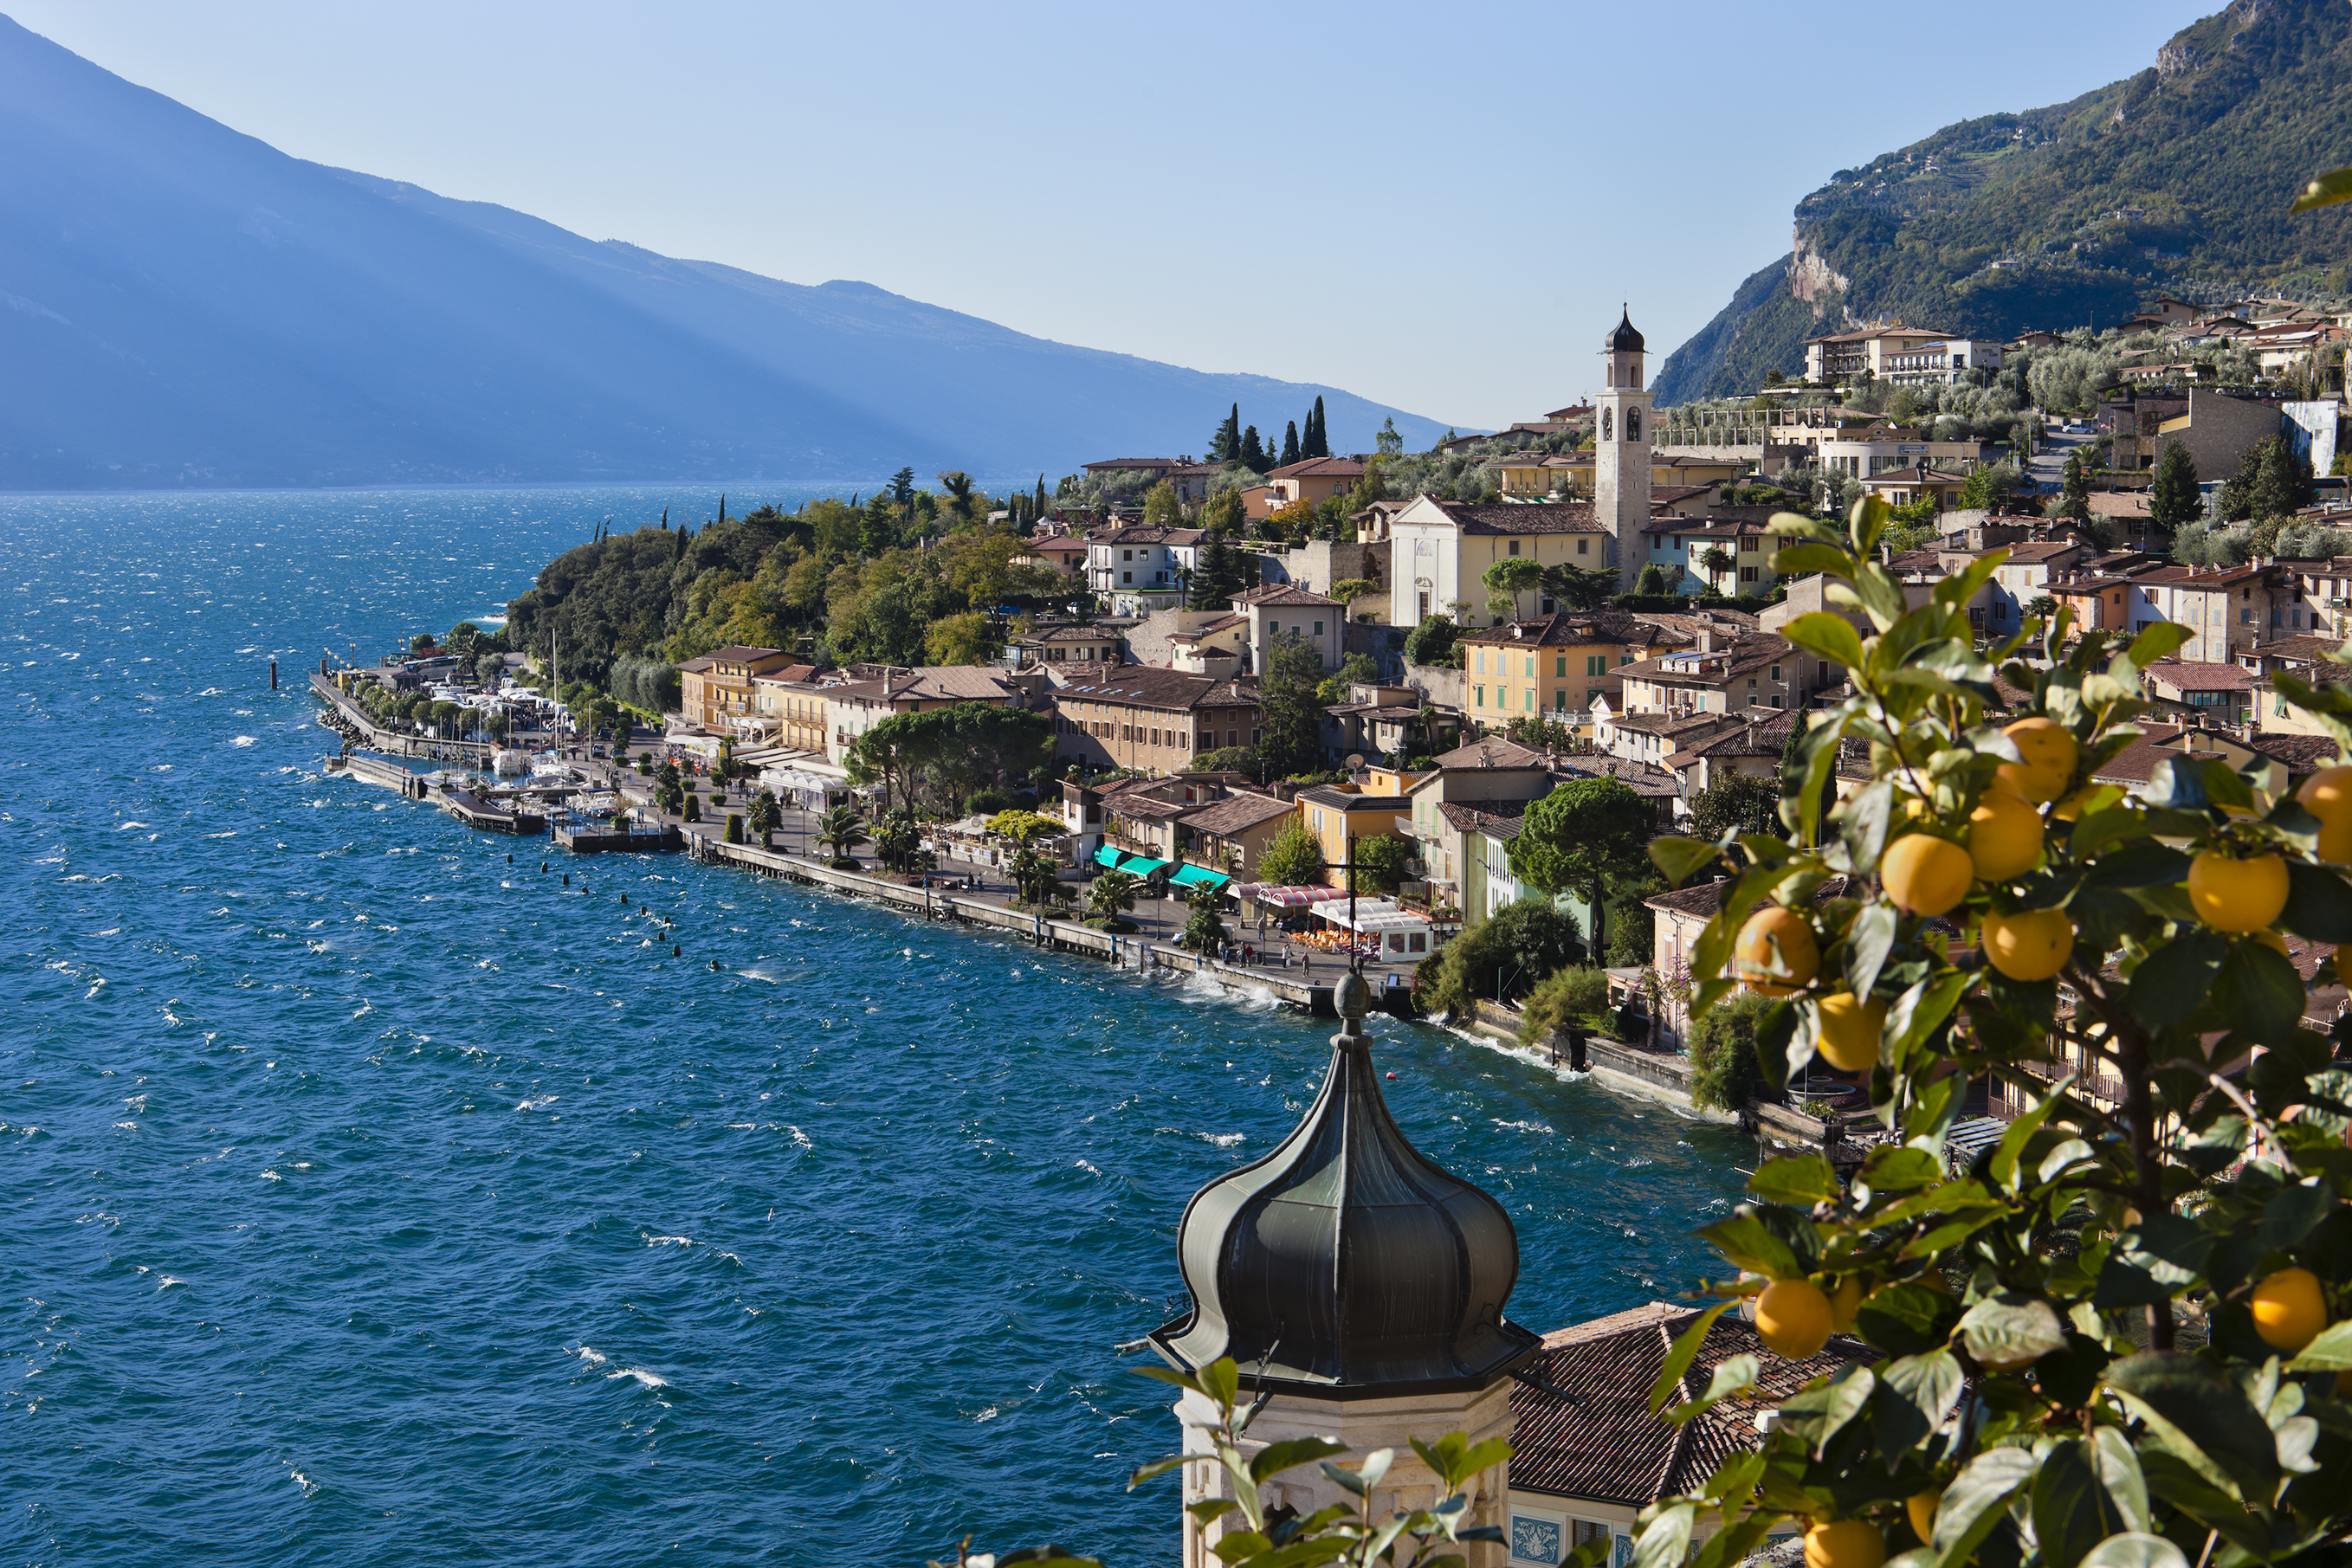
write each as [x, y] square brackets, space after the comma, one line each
[1717, 560]
[895, 834]
[1113, 894]
[1034, 872]
[766, 816]
[842, 829]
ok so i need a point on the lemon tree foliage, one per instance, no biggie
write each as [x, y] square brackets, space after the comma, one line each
[2120, 1335]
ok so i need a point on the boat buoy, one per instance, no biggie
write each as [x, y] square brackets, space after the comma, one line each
[542, 868]
[567, 879]
[675, 951]
[1392, 1076]
[510, 857]
[714, 966]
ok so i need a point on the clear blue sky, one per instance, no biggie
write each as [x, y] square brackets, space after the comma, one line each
[1439, 207]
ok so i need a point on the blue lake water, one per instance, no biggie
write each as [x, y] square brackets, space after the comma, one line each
[370, 1199]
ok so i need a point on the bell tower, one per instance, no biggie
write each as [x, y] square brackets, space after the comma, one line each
[1360, 1288]
[1621, 473]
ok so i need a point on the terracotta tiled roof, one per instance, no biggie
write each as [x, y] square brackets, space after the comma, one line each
[2311, 650]
[1494, 752]
[2301, 753]
[2194, 677]
[1238, 812]
[1606, 1445]
[1340, 800]
[1501, 519]
[1282, 595]
[1148, 685]
[1319, 469]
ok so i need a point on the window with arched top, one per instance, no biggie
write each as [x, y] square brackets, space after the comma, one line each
[1608, 428]
[1633, 424]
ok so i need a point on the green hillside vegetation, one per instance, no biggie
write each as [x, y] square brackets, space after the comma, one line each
[2177, 179]
[909, 576]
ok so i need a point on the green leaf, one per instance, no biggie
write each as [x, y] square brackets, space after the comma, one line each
[1868, 940]
[2289, 1217]
[1906, 1319]
[2258, 991]
[1849, 1391]
[1867, 814]
[2201, 1416]
[2224, 787]
[2318, 904]
[2119, 1472]
[2071, 1511]
[1919, 1011]
[1798, 559]
[2009, 1328]
[1680, 1354]
[2003, 1166]
[2331, 1351]
[2161, 640]
[1288, 1455]
[1797, 1178]
[1806, 774]
[1664, 1541]
[1974, 1502]
[2165, 991]
[1899, 1168]
[1364, 1477]
[1831, 636]
[1677, 858]
[1158, 1467]
[1752, 1245]
[2134, 1549]
[1915, 1394]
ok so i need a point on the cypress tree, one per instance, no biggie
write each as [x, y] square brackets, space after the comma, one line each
[664, 519]
[1290, 442]
[1253, 452]
[1318, 440]
[1225, 446]
[1041, 497]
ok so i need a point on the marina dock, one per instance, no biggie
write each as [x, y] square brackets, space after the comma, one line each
[590, 836]
[490, 816]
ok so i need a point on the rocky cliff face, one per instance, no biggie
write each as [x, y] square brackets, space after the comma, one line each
[2175, 179]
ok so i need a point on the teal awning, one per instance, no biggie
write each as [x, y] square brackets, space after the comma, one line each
[1108, 855]
[1138, 866]
[1199, 876]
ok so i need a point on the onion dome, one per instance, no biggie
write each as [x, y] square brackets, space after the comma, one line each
[1625, 340]
[1346, 1261]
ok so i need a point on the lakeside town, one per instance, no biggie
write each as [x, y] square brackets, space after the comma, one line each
[1273, 709]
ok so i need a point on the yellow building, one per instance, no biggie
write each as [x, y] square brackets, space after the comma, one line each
[1556, 666]
[1335, 815]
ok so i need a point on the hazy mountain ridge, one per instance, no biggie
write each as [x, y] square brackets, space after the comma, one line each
[185, 305]
[2176, 178]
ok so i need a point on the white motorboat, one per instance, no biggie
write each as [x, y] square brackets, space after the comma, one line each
[508, 763]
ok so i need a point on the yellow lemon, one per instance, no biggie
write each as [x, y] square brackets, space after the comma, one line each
[1792, 1316]
[1926, 875]
[2031, 945]
[2327, 795]
[1843, 1303]
[2004, 834]
[1919, 1508]
[2289, 1312]
[2049, 751]
[1776, 928]
[1849, 1032]
[2237, 895]
[1848, 1543]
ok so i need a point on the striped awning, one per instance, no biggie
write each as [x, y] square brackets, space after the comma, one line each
[1291, 897]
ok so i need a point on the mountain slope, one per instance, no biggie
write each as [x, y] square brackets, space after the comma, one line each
[2175, 179]
[181, 304]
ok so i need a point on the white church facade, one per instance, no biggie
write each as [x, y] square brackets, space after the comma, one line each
[1440, 550]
